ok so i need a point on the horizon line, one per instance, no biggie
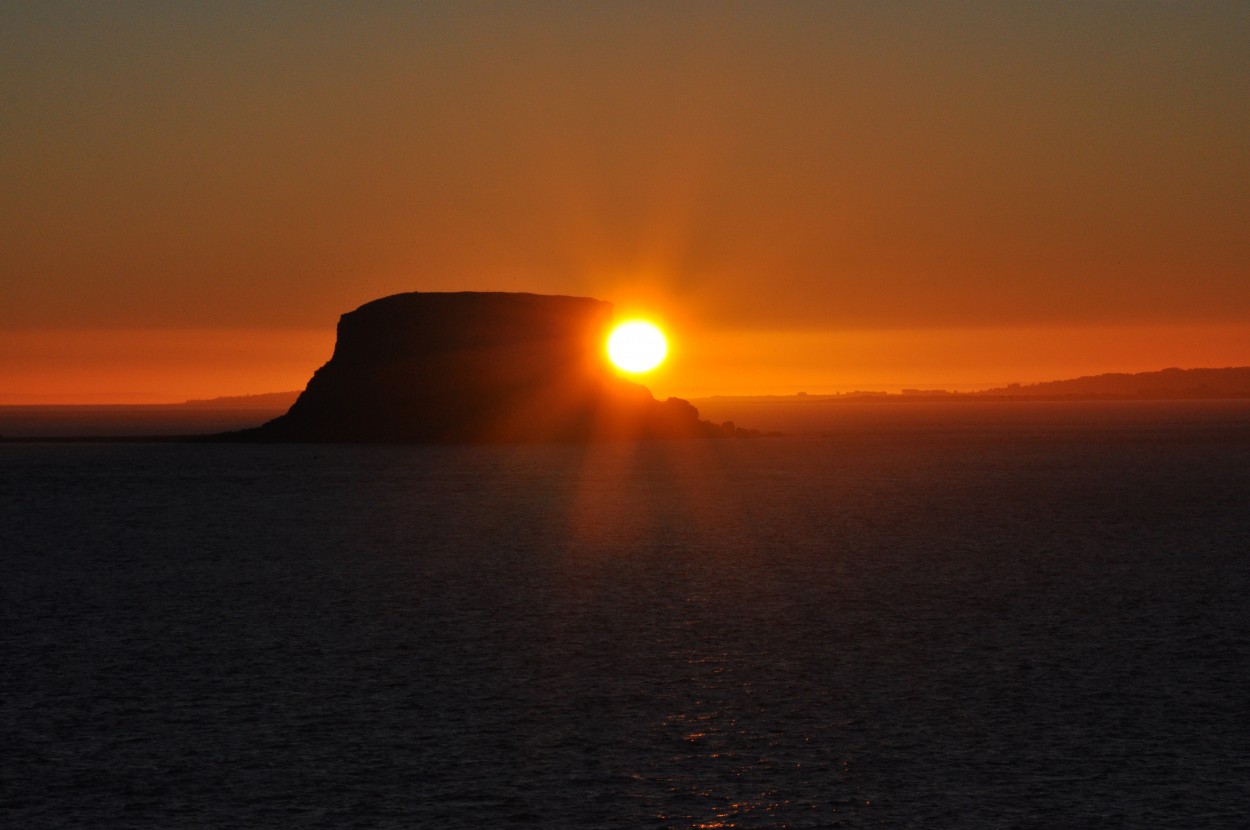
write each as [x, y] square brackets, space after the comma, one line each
[814, 390]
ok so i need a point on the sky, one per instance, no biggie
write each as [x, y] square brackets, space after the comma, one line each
[808, 196]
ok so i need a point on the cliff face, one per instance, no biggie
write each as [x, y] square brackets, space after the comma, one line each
[428, 367]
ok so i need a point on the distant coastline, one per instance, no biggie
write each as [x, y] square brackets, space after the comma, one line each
[139, 422]
[1231, 383]
[197, 417]
[1165, 384]
[268, 401]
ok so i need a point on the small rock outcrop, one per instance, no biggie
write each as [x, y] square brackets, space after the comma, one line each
[476, 367]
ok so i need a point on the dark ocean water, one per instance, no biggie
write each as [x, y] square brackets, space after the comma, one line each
[948, 618]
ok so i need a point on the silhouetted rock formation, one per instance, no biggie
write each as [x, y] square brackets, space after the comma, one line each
[477, 367]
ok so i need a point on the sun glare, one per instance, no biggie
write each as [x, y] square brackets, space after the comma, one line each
[636, 346]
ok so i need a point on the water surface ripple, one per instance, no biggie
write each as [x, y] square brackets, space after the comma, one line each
[948, 623]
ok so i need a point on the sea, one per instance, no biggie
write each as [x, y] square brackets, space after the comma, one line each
[992, 615]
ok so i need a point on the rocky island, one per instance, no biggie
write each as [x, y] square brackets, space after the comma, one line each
[476, 367]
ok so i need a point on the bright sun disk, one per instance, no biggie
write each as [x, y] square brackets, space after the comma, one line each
[636, 346]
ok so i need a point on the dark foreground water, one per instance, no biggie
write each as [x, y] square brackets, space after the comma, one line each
[952, 620]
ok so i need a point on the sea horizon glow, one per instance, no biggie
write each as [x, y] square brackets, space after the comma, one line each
[153, 366]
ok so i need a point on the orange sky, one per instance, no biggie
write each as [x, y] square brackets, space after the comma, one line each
[814, 196]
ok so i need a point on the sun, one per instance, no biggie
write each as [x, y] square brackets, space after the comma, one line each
[636, 346]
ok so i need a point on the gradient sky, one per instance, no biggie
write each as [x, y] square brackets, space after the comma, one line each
[811, 196]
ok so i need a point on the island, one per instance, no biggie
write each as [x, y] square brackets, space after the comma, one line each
[488, 367]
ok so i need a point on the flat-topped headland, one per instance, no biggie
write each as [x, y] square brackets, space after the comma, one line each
[476, 367]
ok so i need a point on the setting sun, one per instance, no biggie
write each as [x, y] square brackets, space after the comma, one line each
[636, 346]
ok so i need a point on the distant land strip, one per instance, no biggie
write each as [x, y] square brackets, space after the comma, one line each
[1232, 383]
[1165, 384]
[267, 400]
[192, 419]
